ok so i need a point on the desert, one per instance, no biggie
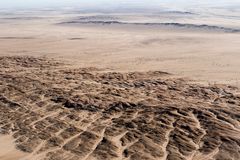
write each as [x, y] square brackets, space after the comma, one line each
[126, 85]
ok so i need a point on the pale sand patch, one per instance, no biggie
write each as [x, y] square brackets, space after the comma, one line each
[8, 150]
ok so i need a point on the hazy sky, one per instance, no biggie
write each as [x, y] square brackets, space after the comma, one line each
[109, 3]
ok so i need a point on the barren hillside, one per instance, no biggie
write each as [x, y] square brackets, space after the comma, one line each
[57, 113]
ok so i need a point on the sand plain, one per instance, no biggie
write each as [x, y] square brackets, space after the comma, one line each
[207, 55]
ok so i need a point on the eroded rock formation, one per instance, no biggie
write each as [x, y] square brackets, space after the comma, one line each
[55, 113]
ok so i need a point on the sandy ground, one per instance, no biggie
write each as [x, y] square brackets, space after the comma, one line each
[8, 150]
[206, 56]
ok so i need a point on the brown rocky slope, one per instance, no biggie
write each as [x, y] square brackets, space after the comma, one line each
[57, 113]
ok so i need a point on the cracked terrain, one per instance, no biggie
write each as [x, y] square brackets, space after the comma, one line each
[55, 112]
